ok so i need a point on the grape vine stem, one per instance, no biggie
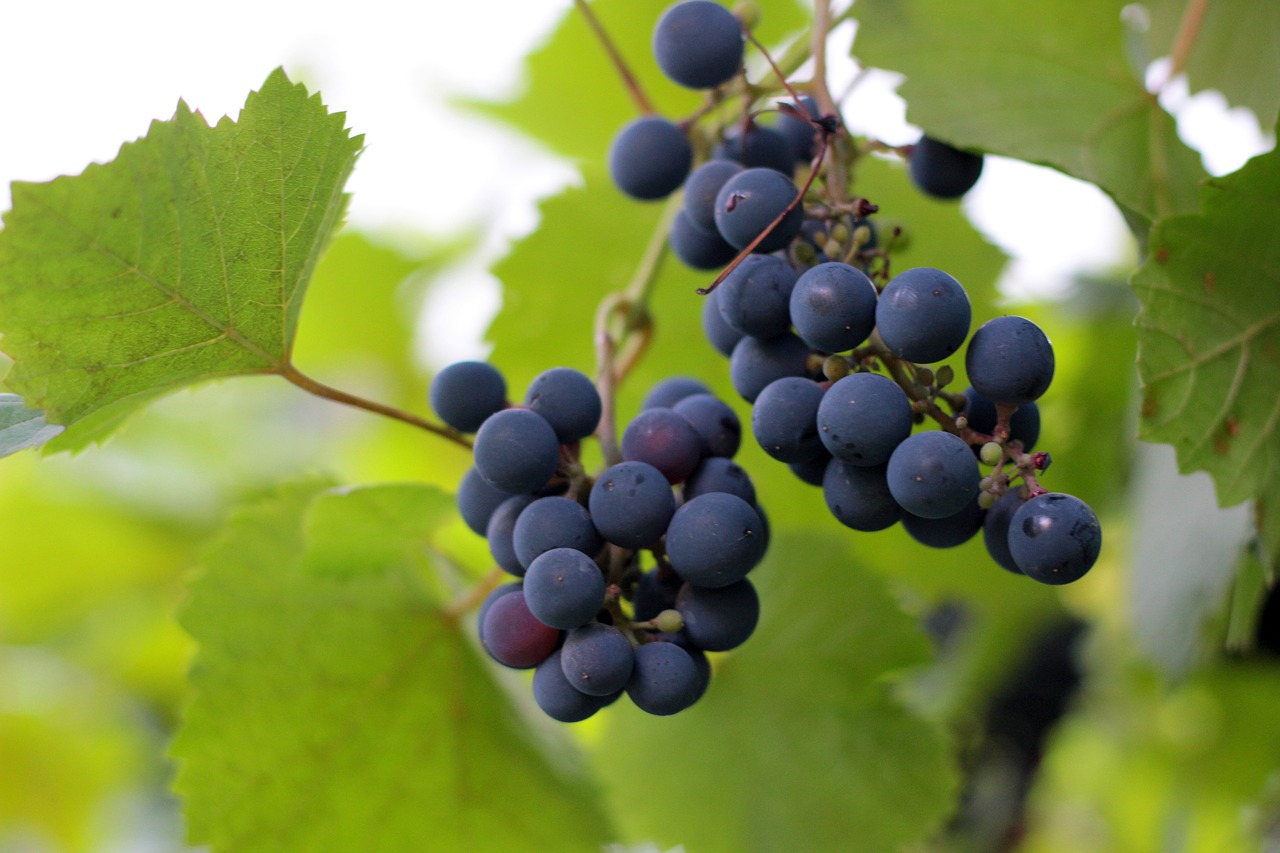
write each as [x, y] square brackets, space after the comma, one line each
[620, 65]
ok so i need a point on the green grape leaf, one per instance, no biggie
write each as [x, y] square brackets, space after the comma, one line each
[185, 258]
[346, 709]
[1050, 85]
[1209, 333]
[818, 743]
[1234, 47]
[21, 427]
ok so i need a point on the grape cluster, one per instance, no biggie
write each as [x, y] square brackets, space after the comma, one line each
[585, 613]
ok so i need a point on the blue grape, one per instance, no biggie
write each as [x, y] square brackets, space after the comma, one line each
[513, 637]
[501, 533]
[631, 504]
[995, 529]
[784, 419]
[1024, 426]
[756, 362]
[747, 204]
[568, 400]
[597, 659]
[812, 471]
[717, 620]
[714, 540]
[923, 315]
[801, 135]
[516, 450]
[559, 699]
[477, 500]
[698, 44]
[1009, 360]
[722, 336]
[761, 148]
[718, 474]
[755, 298]
[701, 189]
[650, 157]
[1054, 538]
[949, 532]
[933, 474]
[941, 171]
[858, 496]
[696, 247]
[716, 424]
[833, 307]
[665, 680]
[564, 588]
[466, 392]
[553, 522]
[655, 593]
[673, 389]
[863, 418]
[664, 439]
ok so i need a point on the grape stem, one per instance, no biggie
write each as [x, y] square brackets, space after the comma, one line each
[474, 596]
[620, 65]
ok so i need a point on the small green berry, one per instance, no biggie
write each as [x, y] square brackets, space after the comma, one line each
[669, 621]
[991, 453]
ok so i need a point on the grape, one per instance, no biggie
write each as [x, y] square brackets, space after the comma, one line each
[597, 659]
[701, 189]
[801, 135]
[946, 532]
[933, 474]
[559, 699]
[568, 400]
[665, 680]
[784, 419]
[833, 307]
[650, 158]
[564, 588]
[553, 522]
[672, 390]
[466, 392]
[477, 500]
[516, 450]
[716, 424]
[696, 247]
[718, 474]
[812, 471]
[749, 201]
[941, 171]
[496, 593]
[995, 530]
[721, 335]
[761, 148]
[654, 594]
[501, 533]
[863, 418]
[698, 44]
[923, 315]
[1009, 360]
[755, 297]
[717, 620]
[858, 496]
[982, 416]
[513, 637]
[1054, 538]
[665, 440]
[758, 361]
[714, 540]
[631, 504]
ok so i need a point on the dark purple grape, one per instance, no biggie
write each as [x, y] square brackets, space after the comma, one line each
[714, 540]
[673, 389]
[762, 148]
[650, 158]
[750, 201]
[833, 307]
[550, 523]
[631, 504]
[858, 496]
[1009, 360]
[1054, 538]
[784, 419]
[597, 659]
[812, 471]
[716, 620]
[949, 532]
[466, 392]
[513, 637]
[517, 451]
[863, 418]
[564, 588]
[568, 400]
[698, 44]
[801, 135]
[665, 679]
[923, 315]
[1024, 426]
[716, 424]
[995, 529]
[477, 500]
[755, 298]
[941, 171]
[496, 593]
[933, 474]
[559, 699]
[501, 533]
[719, 474]
[721, 335]
[756, 362]
[664, 439]
[698, 248]
[701, 189]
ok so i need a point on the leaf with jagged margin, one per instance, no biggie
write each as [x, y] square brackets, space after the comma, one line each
[338, 706]
[1046, 82]
[21, 427]
[1209, 334]
[185, 258]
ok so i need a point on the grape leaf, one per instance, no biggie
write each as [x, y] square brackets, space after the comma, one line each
[1209, 333]
[1049, 84]
[185, 258]
[345, 710]
[21, 427]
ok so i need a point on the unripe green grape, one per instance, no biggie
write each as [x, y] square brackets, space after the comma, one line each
[991, 453]
[669, 621]
[987, 500]
[835, 368]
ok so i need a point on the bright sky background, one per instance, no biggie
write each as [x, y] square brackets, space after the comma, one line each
[80, 78]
